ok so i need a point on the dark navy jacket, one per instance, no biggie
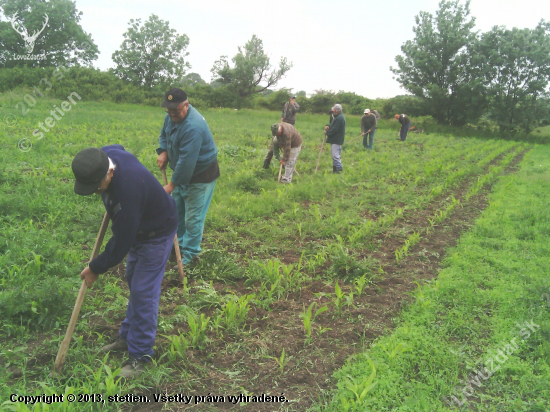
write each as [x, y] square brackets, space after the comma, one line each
[138, 206]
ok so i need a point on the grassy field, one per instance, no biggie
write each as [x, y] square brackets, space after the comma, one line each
[293, 279]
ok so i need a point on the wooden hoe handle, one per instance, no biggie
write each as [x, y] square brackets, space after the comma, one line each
[62, 352]
[176, 243]
[320, 152]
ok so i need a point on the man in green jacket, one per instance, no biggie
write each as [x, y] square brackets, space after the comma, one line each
[186, 145]
[368, 127]
[335, 133]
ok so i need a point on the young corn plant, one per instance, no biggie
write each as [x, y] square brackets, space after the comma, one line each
[104, 378]
[355, 234]
[349, 299]
[299, 227]
[398, 254]
[359, 285]
[421, 297]
[268, 294]
[393, 349]
[281, 361]
[317, 213]
[197, 330]
[235, 311]
[410, 242]
[217, 322]
[360, 388]
[178, 347]
[338, 299]
[322, 330]
[308, 318]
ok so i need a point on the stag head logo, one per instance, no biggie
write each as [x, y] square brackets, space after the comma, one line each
[29, 39]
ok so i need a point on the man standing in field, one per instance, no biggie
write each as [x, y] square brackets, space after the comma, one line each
[335, 133]
[144, 221]
[405, 124]
[291, 142]
[187, 146]
[368, 127]
[288, 115]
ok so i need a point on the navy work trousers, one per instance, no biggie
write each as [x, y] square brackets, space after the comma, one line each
[144, 272]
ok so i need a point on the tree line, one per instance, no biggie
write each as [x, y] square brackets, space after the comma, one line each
[456, 75]
[462, 75]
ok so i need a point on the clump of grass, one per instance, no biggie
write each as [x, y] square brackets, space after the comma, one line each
[346, 264]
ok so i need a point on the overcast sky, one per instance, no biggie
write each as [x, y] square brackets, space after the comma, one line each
[344, 45]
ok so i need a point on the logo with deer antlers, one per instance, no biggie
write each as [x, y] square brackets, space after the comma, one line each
[29, 40]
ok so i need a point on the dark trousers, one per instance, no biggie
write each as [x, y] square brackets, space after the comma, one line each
[404, 130]
[144, 272]
[368, 139]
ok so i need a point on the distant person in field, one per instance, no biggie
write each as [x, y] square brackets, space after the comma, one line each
[291, 143]
[272, 151]
[187, 146]
[368, 127]
[331, 117]
[144, 221]
[335, 133]
[377, 115]
[290, 108]
[405, 125]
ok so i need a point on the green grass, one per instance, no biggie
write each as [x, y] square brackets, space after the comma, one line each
[493, 281]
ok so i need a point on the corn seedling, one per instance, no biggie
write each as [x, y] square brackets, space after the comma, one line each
[359, 284]
[281, 361]
[338, 299]
[178, 347]
[349, 299]
[421, 298]
[235, 311]
[197, 330]
[217, 322]
[268, 294]
[308, 318]
[322, 330]
[393, 350]
[317, 213]
[361, 388]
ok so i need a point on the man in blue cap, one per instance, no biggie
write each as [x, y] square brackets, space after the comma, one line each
[187, 146]
[144, 221]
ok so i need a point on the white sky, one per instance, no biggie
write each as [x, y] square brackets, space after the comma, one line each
[344, 45]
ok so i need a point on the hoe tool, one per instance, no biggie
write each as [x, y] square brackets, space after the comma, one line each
[176, 243]
[280, 171]
[320, 152]
[355, 139]
[62, 352]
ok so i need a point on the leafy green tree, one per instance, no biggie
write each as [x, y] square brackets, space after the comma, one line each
[273, 101]
[37, 27]
[435, 65]
[410, 105]
[322, 100]
[191, 80]
[516, 66]
[251, 72]
[354, 103]
[152, 54]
